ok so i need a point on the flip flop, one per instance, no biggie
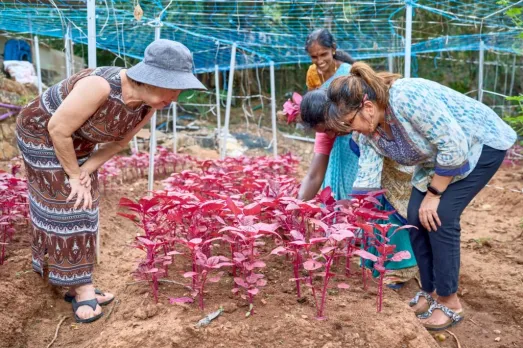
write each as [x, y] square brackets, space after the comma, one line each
[454, 317]
[395, 286]
[70, 298]
[415, 300]
[91, 303]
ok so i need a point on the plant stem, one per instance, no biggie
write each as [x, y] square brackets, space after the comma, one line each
[347, 260]
[201, 291]
[155, 288]
[3, 245]
[380, 291]
[313, 292]
[233, 265]
[193, 254]
[297, 263]
[325, 284]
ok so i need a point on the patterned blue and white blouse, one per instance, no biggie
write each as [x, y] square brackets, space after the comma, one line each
[434, 128]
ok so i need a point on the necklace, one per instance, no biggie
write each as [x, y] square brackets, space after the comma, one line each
[321, 75]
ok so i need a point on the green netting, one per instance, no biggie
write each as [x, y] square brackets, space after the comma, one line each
[271, 30]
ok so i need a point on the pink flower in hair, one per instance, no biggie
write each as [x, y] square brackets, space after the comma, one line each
[292, 107]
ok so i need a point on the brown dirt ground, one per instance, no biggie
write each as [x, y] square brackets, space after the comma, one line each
[491, 289]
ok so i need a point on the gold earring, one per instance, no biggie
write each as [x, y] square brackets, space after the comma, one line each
[334, 53]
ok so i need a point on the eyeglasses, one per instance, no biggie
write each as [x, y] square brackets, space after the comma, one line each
[348, 124]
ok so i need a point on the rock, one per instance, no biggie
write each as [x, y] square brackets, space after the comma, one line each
[497, 339]
[486, 207]
[230, 307]
[149, 312]
[497, 332]
[440, 337]
[304, 317]
[140, 314]
[152, 310]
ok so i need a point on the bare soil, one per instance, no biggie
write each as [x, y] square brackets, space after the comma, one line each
[491, 287]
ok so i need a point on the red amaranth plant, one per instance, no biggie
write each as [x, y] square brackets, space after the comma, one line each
[386, 252]
[14, 209]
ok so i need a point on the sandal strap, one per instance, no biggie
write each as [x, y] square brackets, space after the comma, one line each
[455, 317]
[91, 303]
[419, 294]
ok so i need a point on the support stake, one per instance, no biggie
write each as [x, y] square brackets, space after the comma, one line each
[225, 133]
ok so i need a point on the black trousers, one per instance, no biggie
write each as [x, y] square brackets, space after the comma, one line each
[438, 253]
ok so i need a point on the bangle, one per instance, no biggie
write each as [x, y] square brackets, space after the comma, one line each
[434, 190]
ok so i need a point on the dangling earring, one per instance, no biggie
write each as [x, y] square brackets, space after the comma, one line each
[333, 53]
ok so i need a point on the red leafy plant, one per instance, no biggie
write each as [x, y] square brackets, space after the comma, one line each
[320, 253]
[226, 211]
[246, 237]
[386, 253]
[14, 210]
[205, 266]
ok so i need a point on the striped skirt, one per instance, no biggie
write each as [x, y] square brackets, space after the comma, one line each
[65, 234]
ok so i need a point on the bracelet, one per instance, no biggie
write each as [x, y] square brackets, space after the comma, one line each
[434, 190]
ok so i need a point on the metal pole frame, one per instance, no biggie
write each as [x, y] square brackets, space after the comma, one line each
[91, 56]
[218, 106]
[38, 65]
[152, 137]
[513, 75]
[91, 33]
[273, 111]
[408, 41]
[225, 133]
[175, 131]
[480, 72]
[67, 45]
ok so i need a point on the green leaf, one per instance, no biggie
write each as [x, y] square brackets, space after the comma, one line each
[514, 12]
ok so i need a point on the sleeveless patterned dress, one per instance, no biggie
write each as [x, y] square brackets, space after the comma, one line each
[67, 235]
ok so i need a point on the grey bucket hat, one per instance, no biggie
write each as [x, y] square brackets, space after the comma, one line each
[166, 64]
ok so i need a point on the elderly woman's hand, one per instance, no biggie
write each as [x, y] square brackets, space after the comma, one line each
[81, 193]
[85, 179]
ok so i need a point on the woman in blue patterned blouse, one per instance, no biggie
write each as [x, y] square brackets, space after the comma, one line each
[456, 145]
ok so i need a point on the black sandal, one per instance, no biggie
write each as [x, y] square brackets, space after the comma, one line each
[415, 300]
[453, 317]
[69, 298]
[91, 303]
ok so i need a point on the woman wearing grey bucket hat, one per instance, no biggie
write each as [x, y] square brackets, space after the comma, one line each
[57, 135]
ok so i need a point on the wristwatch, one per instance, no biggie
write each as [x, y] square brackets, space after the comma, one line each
[434, 190]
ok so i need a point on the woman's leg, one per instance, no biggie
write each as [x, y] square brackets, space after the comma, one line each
[445, 242]
[71, 234]
[421, 246]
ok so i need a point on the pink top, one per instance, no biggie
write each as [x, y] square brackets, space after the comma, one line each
[323, 143]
